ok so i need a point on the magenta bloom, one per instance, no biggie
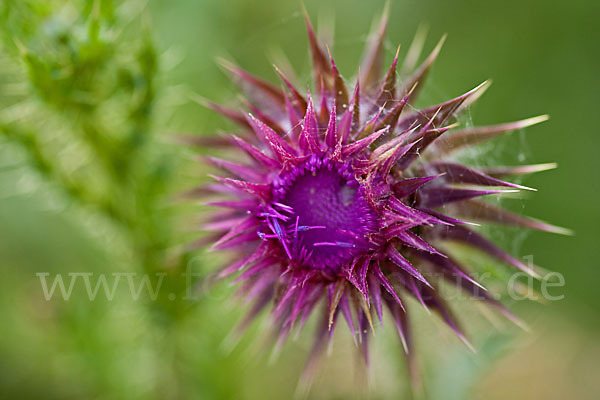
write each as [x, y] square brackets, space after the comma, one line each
[346, 197]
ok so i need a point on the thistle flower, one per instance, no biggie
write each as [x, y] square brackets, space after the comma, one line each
[347, 197]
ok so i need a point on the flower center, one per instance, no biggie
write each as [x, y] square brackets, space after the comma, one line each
[329, 216]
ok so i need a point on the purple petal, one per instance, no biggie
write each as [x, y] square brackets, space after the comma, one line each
[331, 138]
[471, 136]
[375, 291]
[255, 153]
[408, 186]
[299, 102]
[444, 110]
[260, 190]
[372, 64]
[309, 138]
[485, 211]
[254, 84]
[339, 88]
[386, 284]
[231, 114]
[362, 144]
[415, 82]
[387, 92]
[432, 197]
[241, 171]
[457, 173]
[403, 263]
[282, 150]
[249, 223]
[502, 171]
[411, 239]
[321, 67]
[475, 240]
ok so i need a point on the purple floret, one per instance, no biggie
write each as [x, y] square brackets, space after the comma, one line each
[329, 218]
[346, 199]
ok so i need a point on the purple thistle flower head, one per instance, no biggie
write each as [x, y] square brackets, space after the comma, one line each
[347, 197]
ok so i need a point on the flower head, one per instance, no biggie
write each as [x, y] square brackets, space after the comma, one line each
[347, 197]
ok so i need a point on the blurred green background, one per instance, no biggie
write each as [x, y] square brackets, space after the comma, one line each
[91, 96]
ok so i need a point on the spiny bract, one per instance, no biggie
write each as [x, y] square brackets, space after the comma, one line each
[346, 193]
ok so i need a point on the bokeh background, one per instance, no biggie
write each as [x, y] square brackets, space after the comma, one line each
[92, 94]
